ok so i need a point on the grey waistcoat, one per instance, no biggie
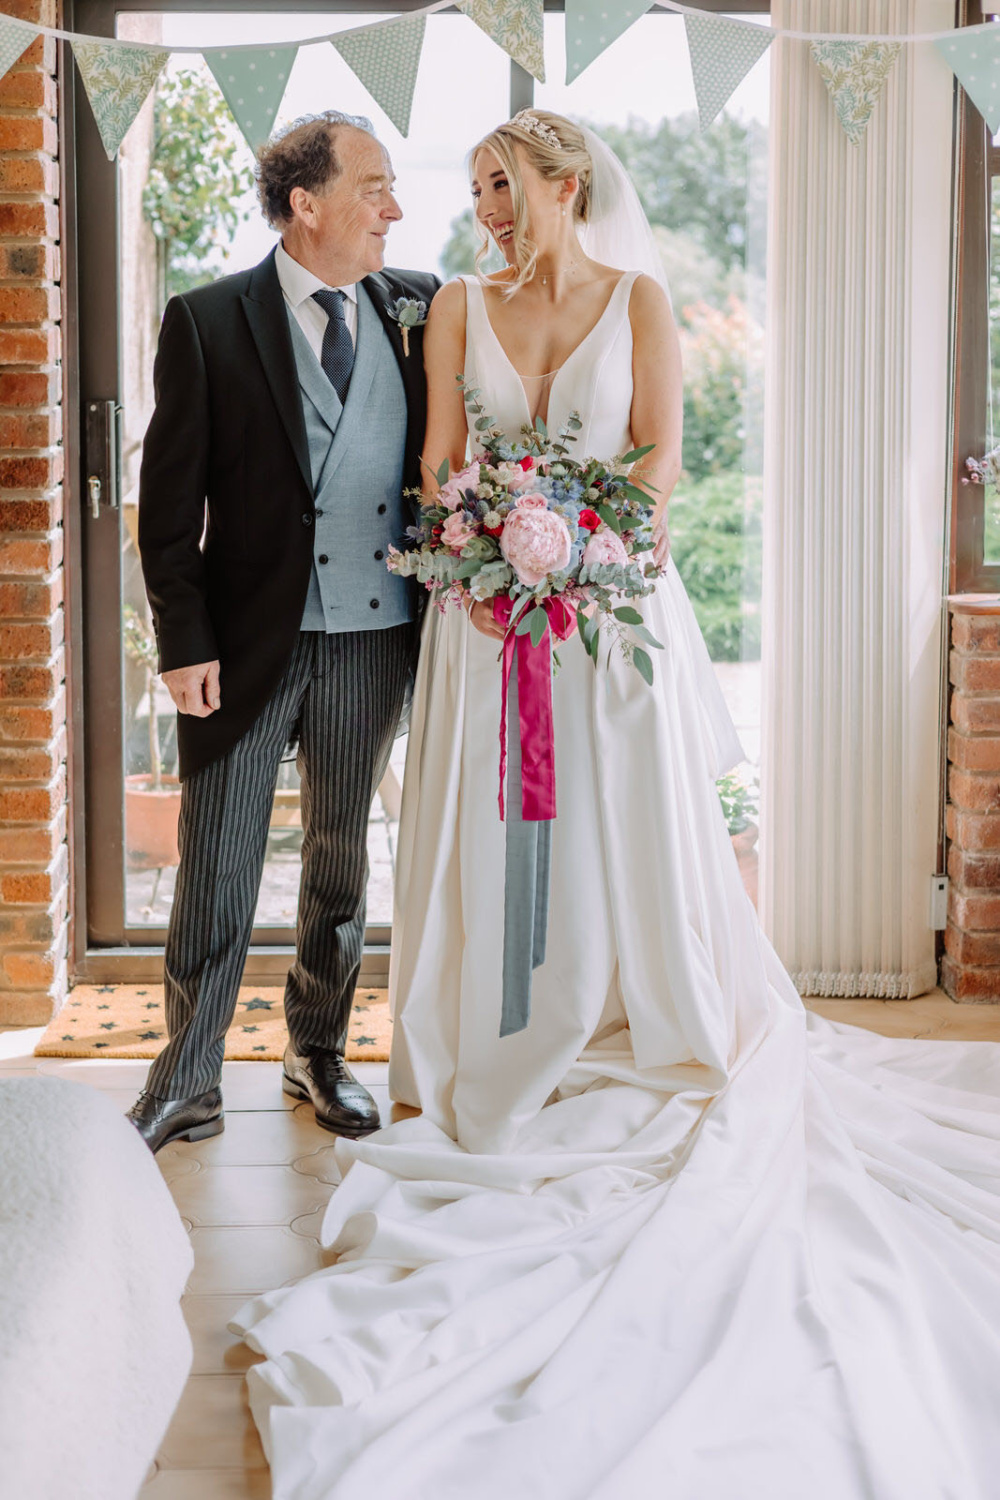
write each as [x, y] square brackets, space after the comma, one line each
[356, 457]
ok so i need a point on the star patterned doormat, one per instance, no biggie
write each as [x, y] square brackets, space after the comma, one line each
[126, 1020]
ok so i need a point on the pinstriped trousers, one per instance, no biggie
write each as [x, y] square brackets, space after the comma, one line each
[344, 694]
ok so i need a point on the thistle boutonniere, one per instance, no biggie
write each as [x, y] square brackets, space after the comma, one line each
[408, 312]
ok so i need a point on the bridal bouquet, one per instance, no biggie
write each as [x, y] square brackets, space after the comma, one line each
[555, 542]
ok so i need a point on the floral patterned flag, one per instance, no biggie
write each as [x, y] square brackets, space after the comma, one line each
[15, 37]
[516, 26]
[855, 74]
[253, 81]
[592, 25]
[973, 54]
[386, 59]
[722, 54]
[117, 79]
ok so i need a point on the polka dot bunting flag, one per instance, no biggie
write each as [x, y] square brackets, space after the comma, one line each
[385, 59]
[591, 27]
[974, 57]
[722, 54]
[253, 80]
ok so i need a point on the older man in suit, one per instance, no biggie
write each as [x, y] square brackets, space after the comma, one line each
[289, 417]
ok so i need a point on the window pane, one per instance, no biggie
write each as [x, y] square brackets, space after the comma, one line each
[177, 233]
[991, 498]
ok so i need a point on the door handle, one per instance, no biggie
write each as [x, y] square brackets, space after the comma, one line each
[102, 455]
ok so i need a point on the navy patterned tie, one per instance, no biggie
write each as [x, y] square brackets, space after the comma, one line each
[337, 355]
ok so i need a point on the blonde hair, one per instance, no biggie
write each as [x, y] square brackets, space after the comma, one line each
[553, 162]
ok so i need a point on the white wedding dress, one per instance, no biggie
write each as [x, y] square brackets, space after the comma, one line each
[678, 1237]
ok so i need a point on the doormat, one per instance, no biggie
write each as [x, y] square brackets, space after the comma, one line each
[126, 1020]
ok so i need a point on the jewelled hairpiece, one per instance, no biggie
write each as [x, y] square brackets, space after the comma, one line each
[525, 120]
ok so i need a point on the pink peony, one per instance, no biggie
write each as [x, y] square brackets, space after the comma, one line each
[450, 495]
[523, 476]
[533, 501]
[456, 531]
[604, 549]
[535, 542]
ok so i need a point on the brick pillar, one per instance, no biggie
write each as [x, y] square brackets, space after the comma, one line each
[971, 966]
[33, 852]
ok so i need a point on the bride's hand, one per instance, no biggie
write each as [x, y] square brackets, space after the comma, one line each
[661, 545]
[481, 615]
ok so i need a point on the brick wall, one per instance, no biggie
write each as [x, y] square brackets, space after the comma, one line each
[34, 866]
[971, 966]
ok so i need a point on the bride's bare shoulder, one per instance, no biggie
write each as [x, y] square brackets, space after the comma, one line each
[448, 306]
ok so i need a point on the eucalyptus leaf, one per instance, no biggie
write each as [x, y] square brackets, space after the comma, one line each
[637, 453]
[647, 635]
[442, 474]
[627, 615]
[644, 663]
[610, 517]
[538, 624]
[541, 427]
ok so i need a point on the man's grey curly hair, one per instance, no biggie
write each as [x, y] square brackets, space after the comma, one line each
[304, 155]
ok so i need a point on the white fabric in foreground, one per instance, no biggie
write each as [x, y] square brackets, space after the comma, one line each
[94, 1351]
[675, 1239]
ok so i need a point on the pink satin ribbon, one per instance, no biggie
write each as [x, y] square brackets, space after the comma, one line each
[534, 702]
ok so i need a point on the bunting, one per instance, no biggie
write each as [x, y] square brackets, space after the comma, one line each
[591, 27]
[253, 81]
[117, 79]
[386, 58]
[722, 54]
[15, 39]
[855, 75]
[516, 26]
[974, 57]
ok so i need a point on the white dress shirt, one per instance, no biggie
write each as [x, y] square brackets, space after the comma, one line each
[298, 286]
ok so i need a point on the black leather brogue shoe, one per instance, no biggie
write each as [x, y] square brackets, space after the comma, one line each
[160, 1121]
[342, 1104]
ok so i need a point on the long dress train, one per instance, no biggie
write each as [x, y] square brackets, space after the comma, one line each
[678, 1236]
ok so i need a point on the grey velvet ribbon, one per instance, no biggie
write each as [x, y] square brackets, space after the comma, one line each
[527, 866]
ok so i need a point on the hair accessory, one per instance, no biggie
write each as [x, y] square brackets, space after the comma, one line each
[525, 120]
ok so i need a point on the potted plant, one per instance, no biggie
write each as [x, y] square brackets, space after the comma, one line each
[739, 804]
[153, 799]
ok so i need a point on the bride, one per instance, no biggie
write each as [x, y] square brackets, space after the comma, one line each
[676, 1236]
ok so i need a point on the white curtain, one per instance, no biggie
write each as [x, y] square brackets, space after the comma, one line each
[855, 482]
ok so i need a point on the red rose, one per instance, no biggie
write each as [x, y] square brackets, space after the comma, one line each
[493, 530]
[589, 519]
[527, 462]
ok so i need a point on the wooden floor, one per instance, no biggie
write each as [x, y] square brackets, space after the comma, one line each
[253, 1198]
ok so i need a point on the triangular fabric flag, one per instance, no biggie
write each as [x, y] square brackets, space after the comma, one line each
[592, 25]
[117, 80]
[973, 54]
[516, 26]
[15, 38]
[386, 59]
[722, 54]
[855, 74]
[253, 80]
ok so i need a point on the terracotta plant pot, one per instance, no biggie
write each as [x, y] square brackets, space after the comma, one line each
[151, 822]
[745, 845]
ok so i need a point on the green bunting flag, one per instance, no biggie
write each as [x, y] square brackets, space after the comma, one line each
[117, 79]
[592, 25]
[516, 26]
[722, 54]
[253, 81]
[973, 55]
[855, 75]
[386, 59]
[15, 38]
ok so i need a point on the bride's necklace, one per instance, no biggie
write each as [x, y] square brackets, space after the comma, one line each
[566, 271]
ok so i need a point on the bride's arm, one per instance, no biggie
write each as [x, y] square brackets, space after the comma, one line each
[657, 399]
[447, 431]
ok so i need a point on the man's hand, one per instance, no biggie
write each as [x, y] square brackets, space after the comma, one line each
[195, 690]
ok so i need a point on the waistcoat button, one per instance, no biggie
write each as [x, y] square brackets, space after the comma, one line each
[323, 558]
[379, 556]
[382, 510]
[307, 519]
[373, 603]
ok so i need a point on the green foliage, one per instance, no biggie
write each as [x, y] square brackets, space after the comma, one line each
[458, 258]
[720, 349]
[715, 542]
[739, 802]
[690, 180]
[199, 178]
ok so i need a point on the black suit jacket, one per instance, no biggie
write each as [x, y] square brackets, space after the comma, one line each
[225, 490]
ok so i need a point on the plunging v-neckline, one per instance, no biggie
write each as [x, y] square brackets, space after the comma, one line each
[568, 360]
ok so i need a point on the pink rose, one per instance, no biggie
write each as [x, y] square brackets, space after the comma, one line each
[533, 501]
[450, 495]
[524, 474]
[535, 542]
[604, 549]
[456, 531]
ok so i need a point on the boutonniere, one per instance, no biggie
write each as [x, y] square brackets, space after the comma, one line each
[409, 313]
